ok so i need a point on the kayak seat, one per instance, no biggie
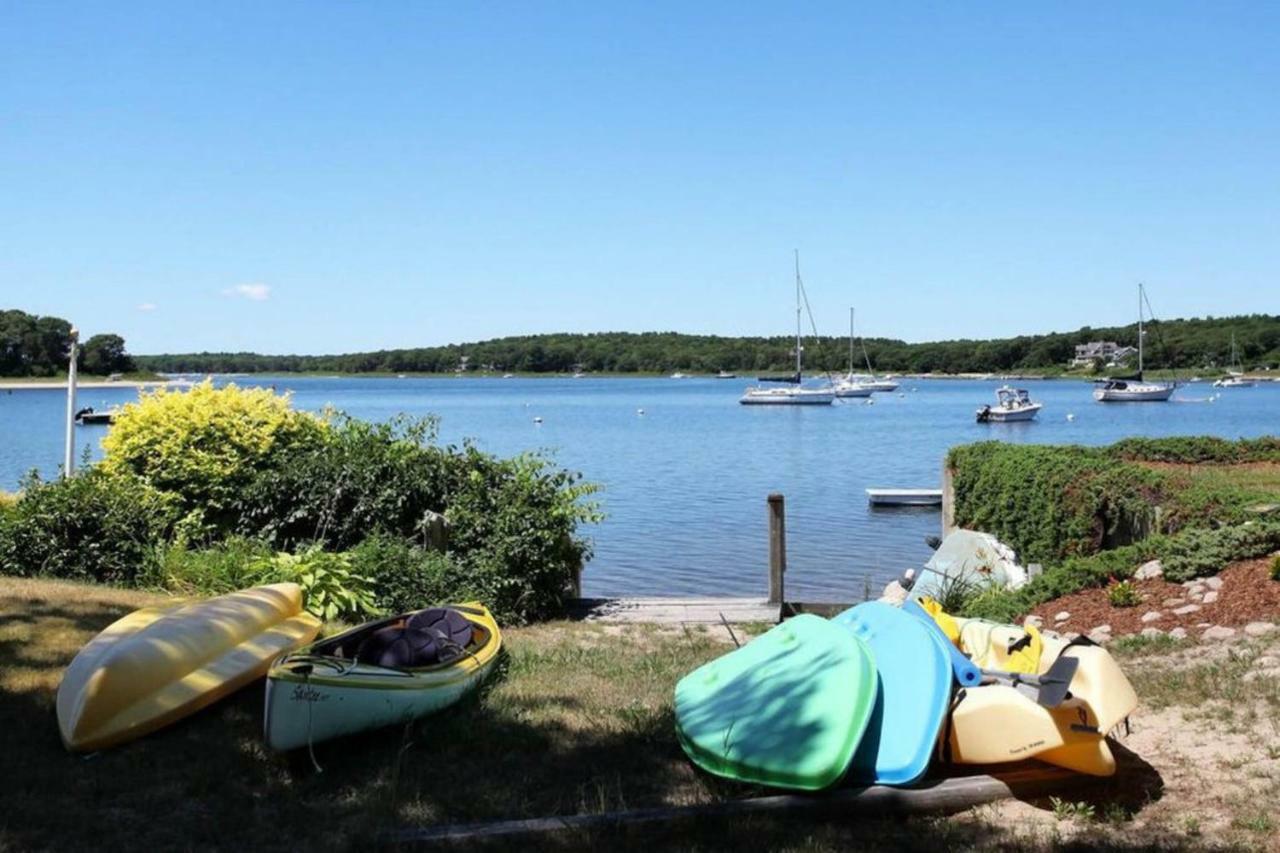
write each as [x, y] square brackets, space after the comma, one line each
[451, 626]
[399, 646]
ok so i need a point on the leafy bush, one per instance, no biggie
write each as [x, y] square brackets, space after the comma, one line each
[1185, 555]
[331, 589]
[7, 502]
[1193, 449]
[224, 567]
[207, 444]
[1123, 594]
[1050, 503]
[405, 577]
[94, 526]
[362, 478]
[1275, 568]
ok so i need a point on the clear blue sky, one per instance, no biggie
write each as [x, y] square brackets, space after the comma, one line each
[384, 174]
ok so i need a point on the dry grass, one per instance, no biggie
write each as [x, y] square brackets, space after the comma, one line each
[579, 720]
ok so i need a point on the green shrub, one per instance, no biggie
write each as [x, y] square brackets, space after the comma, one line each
[1123, 594]
[1197, 553]
[1275, 568]
[1050, 503]
[405, 577]
[361, 479]
[94, 526]
[7, 502]
[331, 589]
[1193, 449]
[224, 567]
[207, 444]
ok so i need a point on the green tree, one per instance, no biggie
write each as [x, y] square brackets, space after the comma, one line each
[105, 354]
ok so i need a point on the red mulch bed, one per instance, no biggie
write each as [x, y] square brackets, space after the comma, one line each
[1247, 595]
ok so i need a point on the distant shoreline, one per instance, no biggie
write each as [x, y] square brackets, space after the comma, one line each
[61, 385]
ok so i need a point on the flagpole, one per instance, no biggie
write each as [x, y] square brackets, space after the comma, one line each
[68, 462]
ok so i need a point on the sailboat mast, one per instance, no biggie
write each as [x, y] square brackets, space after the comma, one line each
[850, 341]
[798, 377]
[1140, 294]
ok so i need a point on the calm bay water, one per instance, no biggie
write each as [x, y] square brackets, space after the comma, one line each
[684, 484]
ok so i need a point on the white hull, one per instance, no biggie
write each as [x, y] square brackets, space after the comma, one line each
[997, 414]
[905, 497]
[315, 710]
[883, 385]
[787, 397]
[1134, 394]
[852, 389]
[1233, 383]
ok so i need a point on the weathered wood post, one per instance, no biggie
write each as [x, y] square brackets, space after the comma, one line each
[777, 547]
[948, 499]
[435, 531]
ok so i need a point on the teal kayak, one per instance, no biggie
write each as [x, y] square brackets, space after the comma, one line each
[915, 676]
[788, 709]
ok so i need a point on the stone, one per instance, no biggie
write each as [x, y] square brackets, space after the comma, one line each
[1260, 629]
[1152, 632]
[1257, 674]
[1185, 609]
[1210, 597]
[1152, 616]
[1266, 661]
[1213, 583]
[1195, 595]
[1149, 571]
[1178, 633]
[1203, 625]
[1173, 602]
[1033, 621]
[1191, 583]
[1061, 616]
[1101, 629]
[1218, 632]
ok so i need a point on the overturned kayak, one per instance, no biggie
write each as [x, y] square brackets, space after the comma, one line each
[914, 691]
[384, 673]
[788, 709]
[162, 663]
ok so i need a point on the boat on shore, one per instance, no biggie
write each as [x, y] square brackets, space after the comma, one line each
[1012, 404]
[1134, 389]
[384, 673]
[791, 392]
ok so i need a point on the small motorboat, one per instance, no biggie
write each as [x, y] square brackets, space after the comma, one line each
[726, 374]
[1233, 380]
[88, 417]
[1012, 404]
[905, 497]
[380, 674]
[160, 664]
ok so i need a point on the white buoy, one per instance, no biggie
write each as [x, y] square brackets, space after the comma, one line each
[537, 420]
[1070, 416]
[639, 411]
[870, 402]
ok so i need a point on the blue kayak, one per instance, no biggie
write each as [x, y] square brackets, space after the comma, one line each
[915, 691]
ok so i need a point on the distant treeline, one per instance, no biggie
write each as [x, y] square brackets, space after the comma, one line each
[1193, 344]
[39, 346]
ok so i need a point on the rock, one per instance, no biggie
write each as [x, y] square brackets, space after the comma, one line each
[1152, 632]
[1192, 583]
[1061, 616]
[1218, 632]
[1260, 629]
[1178, 633]
[1152, 616]
[1213, 583]
[1185, 609]
[1101, 629]
[1173, 602]
[1196, 595]
[1210, 597]
[1203, 625]
[893, 593]
[1101, 639]
[1265, 661]
[1149, 571]
[1256, 674]
[1033, 621]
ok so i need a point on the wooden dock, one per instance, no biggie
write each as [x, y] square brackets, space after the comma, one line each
[673, 611]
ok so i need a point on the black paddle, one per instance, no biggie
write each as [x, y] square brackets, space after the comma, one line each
[1051, 689]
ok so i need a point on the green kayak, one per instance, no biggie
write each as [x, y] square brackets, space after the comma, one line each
[788, 709]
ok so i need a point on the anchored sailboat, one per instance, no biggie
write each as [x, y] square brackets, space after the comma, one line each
[1235, 377]
[852, 385]
[792, 393]
[1133, 389]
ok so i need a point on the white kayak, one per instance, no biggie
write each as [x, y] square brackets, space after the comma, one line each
[380, 674]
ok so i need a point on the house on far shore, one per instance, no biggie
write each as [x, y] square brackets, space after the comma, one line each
[1109, 351]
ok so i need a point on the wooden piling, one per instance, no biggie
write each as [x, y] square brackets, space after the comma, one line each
[777, 546]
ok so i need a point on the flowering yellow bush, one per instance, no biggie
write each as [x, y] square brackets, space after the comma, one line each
[207, 443]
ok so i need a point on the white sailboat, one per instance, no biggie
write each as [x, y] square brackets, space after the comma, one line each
[867, 380]
[1235, 377]
[851, 385]
[793, 393]
[1134, 389]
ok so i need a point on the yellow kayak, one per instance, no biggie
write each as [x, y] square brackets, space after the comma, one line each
[162, 663]
[994, 722]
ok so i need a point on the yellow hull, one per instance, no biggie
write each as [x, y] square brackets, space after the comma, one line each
[160, 664]
[995, 723]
